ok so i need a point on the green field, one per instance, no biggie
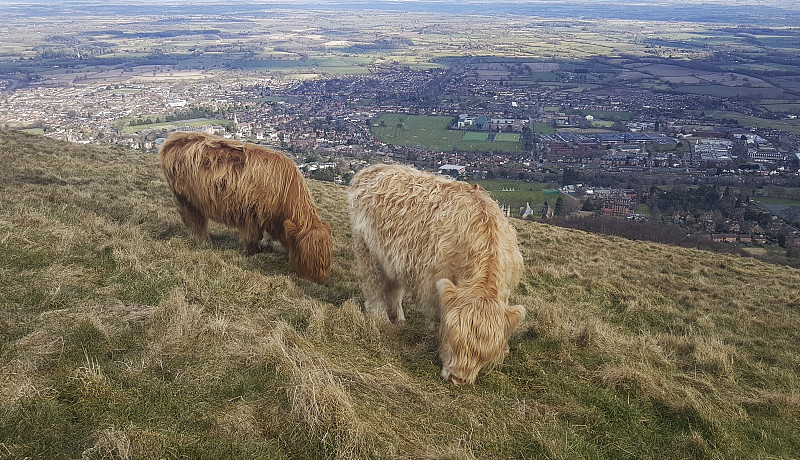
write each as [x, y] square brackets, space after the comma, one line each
[783, 108]
[322, 64]
[540, 128]
[506, 137]
[607, 115]
[517, 194]
[731, 91]
[782, 207]
[432, 133]
[474, 136]
[792, 126]
[174, 124]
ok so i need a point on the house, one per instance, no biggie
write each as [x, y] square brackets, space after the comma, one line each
[175, 103]
[452, 170]
[628, 148]
[724, 237]
[467, 122]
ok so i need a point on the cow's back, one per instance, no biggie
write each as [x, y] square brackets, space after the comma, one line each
[230, 181]
[423, 227]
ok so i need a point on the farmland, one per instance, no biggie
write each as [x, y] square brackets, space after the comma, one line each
[746, 120]
[782, 207]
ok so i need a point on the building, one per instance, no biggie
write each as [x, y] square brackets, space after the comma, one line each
[766, 154]
[712, 151]
[620, 203]
[467, 122]
[452, 170]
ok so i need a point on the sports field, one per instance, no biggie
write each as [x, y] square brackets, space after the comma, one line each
[506, 137]
[432, 133]
[472, 136]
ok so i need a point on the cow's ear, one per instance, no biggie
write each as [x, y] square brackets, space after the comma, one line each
[290, 229]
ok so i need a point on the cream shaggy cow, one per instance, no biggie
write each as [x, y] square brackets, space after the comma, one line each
[449, 244]
[252, 189]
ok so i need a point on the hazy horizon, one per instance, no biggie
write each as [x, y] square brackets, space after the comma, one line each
[765, 12]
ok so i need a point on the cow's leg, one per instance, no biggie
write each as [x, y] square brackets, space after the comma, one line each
[374, 285]
[250, 235]
[394, 303]
[194, 220]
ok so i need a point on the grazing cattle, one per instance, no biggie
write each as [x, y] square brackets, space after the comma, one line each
[450, 245]
[252, 189]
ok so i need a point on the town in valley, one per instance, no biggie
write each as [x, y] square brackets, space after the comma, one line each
[664, 120]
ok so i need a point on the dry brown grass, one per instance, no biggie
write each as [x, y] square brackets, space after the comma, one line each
[120, 337]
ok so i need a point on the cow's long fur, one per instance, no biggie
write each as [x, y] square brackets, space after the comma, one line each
[449, 244]
[252, 189]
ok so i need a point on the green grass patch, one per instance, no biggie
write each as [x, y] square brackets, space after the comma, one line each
[506, 137]
[732, 91]
[431, 132]
[540, 128]
[517, 194]
[750, 121]
[475, 136]
[792, 108]
[174, 125]
[271, 99]
[33, 130]
[607, 115]
[784, 208]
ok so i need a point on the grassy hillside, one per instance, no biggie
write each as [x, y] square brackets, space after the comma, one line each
[120, 337]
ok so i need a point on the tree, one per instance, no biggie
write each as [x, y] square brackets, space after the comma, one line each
[559, 206]
[323, 174]
[528, 139]
[570, 177]
[619, 126]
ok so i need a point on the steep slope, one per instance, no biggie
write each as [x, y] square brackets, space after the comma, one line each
[121, 337]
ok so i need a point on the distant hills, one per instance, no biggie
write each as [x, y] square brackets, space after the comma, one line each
[767, 12]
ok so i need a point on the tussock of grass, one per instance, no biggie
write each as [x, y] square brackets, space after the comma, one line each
[109, 443]
[121, 337]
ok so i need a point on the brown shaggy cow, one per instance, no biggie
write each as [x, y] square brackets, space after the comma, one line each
[449, 243]
[250, 188]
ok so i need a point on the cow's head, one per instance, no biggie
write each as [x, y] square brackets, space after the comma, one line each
[310, 250]
[474, 331]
